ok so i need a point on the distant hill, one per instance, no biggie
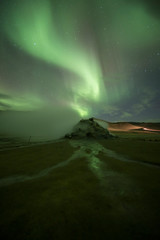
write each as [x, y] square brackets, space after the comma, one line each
[129, 126]
[155, 126]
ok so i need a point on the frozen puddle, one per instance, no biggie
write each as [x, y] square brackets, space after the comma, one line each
[88, 149]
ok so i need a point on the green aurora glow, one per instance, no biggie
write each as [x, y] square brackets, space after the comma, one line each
[97, 46]
[37, 35]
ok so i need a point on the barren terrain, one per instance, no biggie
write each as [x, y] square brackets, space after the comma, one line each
[82, 189]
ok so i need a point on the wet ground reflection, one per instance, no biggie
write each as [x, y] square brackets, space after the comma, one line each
[88, 149]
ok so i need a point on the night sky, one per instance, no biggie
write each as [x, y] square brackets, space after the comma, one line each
[81, 58]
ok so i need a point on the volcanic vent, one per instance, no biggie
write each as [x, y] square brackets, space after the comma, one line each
[88, 128]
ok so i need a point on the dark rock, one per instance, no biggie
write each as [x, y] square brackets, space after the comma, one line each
[88, 128]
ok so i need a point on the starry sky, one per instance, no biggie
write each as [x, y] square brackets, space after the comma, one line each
[78, 59]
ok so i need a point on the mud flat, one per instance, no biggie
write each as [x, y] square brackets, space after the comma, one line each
[82, 189]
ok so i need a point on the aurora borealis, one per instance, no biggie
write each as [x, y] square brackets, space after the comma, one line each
[92, 58]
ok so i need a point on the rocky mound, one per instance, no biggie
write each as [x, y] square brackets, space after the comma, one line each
[88, 129]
